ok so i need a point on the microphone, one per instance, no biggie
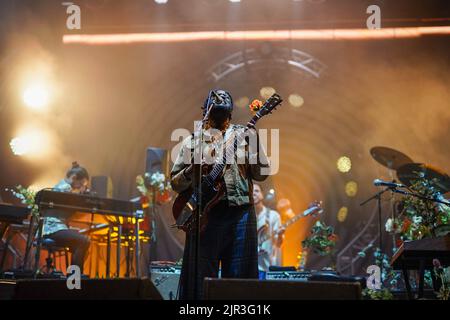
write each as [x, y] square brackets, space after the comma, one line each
[217, 97]
[380, 183]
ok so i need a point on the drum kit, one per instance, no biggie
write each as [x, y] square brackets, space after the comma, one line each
[408, 173]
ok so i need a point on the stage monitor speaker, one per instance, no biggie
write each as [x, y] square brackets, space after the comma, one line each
[166, 280]
[7, 289]
[102, 186]
[252, 289]
[91, 289]
[157, 160]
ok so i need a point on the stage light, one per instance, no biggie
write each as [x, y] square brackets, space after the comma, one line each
[344, 164]
[257, 35]
[266, 92]
[235, 1]
[242, 102]
[161, 1]
[36, 96]
[296, 100]
[351, 188]
[342, 214]
[19, 146]
[31, 143]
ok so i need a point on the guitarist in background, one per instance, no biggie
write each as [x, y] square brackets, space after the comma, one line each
[229, 239]
[269, 227]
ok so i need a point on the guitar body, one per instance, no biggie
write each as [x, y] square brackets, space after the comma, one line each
[185, 205]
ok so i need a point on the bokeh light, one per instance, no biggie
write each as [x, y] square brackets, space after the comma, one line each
[266, 92]
[344, 164]
[342, 214]
[351, 188]
[296, 100]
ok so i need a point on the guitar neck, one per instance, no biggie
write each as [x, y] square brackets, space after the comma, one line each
[291, 221]
[297, 217]
[218, 167]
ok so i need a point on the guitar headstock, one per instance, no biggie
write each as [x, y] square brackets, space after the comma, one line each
[315, 208]
[270, 105]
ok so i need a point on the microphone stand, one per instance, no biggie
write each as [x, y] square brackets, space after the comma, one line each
[197, 183]
[377, 196]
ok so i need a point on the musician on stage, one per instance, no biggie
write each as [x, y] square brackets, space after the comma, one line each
[270, 233]
[229, 239]
[76, 181]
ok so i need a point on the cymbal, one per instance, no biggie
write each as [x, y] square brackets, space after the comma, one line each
[389, 158]
[410, 172]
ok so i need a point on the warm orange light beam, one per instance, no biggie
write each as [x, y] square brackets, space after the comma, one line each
[320, 34]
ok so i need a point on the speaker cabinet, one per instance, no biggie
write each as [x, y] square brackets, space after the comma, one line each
[102, 186]
[91, 289]
[252, 289]
[6, 290]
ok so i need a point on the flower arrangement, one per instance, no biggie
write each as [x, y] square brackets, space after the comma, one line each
[389, 277]
[255, 105]
[26, 197]
[322, 239]
[153, 186]
[443, 274]
[382, 294]
[419, 218]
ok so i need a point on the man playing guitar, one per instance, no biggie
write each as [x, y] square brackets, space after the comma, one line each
[229, 239]
[270, 233]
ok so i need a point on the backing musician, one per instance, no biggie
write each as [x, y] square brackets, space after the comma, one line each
[270, 233]
[229, 239]
[76, 181]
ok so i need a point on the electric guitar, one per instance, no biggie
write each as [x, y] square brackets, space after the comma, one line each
[212, 184]
[314, 209]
